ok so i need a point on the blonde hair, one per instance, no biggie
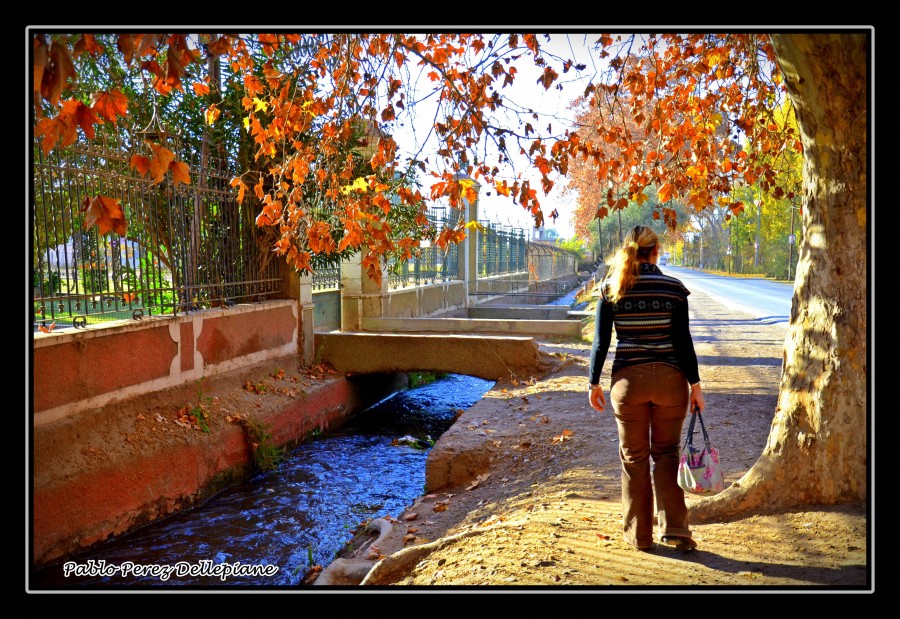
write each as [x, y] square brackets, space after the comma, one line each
[625, 264]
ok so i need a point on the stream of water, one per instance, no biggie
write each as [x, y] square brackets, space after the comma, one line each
[278, 524]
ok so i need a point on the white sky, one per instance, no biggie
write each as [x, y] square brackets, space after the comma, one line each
[553, 102]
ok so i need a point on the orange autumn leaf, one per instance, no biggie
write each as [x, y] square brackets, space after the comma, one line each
[269, 43]
[54, 130]
[110, 104]
[160, 161]
[665, 192]
[87, 43]
[75, 113]
[219, 46]
[200, 89]
[180, 172]
[56, 73]
[104, 212]
[565, 436]
[140, 163]
[128, 297]
[547, 78]
[39, 61]
[47, 329]
[125, 44]
[236, 182]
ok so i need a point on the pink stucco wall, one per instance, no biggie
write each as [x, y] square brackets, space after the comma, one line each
[88, 367]
[227, 337]
[71, 368]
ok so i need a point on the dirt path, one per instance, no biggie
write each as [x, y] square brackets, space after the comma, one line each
[532, 494]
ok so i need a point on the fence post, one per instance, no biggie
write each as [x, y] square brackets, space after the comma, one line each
[361, 297]
[471, 242]
[299, 288]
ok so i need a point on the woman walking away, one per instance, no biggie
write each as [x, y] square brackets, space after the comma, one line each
[654, 378]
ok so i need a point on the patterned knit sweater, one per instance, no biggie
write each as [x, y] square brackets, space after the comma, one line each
[651, 322]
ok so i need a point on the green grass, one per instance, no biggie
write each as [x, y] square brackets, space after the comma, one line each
[92, 315]
[418, 379]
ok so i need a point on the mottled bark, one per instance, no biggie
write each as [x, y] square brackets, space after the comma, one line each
[817, 448]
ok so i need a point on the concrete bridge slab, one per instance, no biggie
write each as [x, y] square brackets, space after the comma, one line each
[484, 356]
[473, 326]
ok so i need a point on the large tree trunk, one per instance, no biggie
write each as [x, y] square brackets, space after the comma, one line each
[817, 448]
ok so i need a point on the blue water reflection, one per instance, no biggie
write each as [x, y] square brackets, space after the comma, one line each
[296, 516]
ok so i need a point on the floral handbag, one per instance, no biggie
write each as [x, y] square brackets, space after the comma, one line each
[699, 471]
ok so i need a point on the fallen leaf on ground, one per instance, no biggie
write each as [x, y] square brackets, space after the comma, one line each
[565, 436]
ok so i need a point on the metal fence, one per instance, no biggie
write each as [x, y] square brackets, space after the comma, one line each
[548, 262]
[326, 278]
[550, 272]
[187, 246]
[501, 250]
[431, 264]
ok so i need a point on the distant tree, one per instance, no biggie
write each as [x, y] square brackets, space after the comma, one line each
[573, 244]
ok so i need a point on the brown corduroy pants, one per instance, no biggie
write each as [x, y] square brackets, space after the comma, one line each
[650, 402]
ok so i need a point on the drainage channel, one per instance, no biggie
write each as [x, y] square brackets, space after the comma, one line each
[271, 530]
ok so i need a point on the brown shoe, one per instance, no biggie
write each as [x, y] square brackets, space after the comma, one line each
[685, 544]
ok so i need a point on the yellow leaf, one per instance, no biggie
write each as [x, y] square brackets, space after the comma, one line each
[640, 198]
[247, 123]
[474, 225]
[212, 114]
[260, 105]
[359, 185]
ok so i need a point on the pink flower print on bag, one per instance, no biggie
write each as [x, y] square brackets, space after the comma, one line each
[699, 470]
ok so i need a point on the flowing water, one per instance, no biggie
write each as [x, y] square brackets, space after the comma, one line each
[569, 299]
[292, 518]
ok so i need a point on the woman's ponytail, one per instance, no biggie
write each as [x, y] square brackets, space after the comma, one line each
[625, 263]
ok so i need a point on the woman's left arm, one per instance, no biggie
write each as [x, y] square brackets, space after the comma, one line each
[687, 356]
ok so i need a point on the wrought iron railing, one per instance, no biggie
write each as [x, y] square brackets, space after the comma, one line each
[501, 250]
[327, 277]
[430, 264]
[188, 246]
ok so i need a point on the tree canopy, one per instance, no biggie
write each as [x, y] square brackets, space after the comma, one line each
[311, 118]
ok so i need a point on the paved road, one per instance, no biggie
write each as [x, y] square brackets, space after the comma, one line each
[766, 300]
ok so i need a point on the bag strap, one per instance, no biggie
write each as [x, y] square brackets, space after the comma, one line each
[702, 426]
[690, 431]
[689, 439]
